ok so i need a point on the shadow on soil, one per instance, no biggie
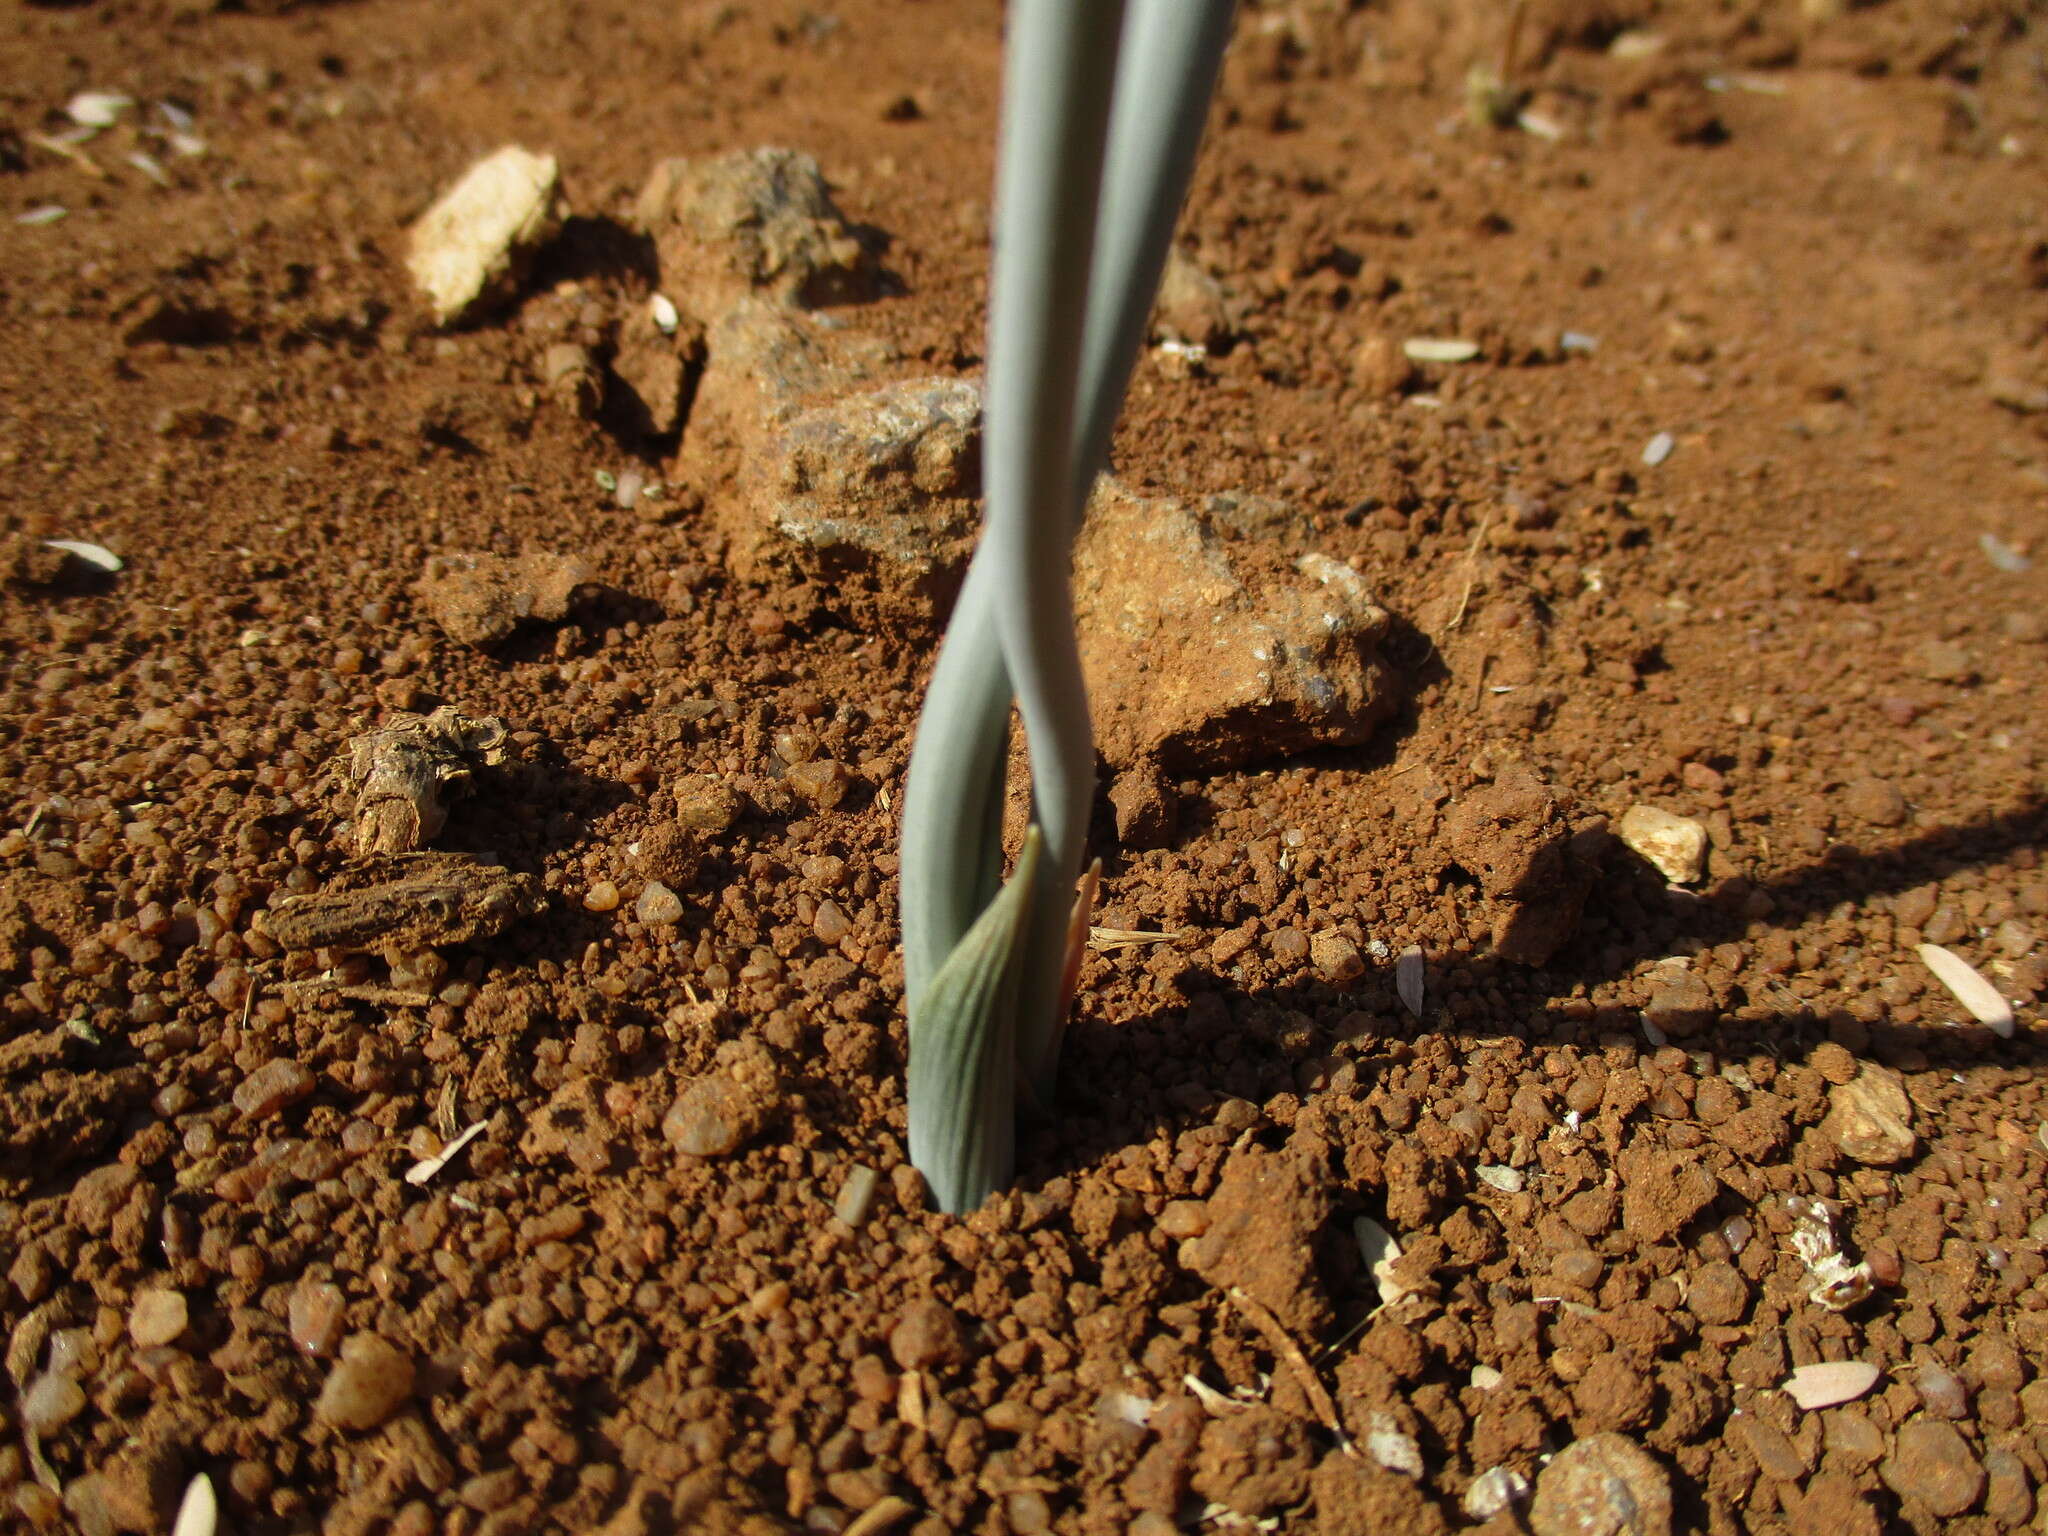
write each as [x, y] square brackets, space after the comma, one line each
[1248, 1038]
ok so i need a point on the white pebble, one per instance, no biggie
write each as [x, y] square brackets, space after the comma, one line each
[1658, 449]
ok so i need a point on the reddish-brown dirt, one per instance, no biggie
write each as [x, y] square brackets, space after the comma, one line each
[1801, 249]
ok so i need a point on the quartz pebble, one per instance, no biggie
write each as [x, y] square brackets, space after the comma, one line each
[51, 1402]
[371, 1382]
[157, 1317]
[1675, 845]
[603, 896]
[658, 906]
[315, 1316]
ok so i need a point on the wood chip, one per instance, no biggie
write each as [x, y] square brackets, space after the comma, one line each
[1831, 1382]
[426, 1168]
[198, 1511]
[1970, 989]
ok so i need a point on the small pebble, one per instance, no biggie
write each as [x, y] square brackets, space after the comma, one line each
[51, 1402]
[1875, 801]
[1932, 1464]
[370, 1384]
[714, 1116]
[856, 1195]
[157, 1317]
[1941, 1392]
[1658, 449]
[315, 1316]
[1943, 661]
[1602, 1486]
[927, 1337]
[825, 783]
[601, 897]
[1336, 958]
[1870, 1119]
[273, 1087]
[658, 906]
[831, 924]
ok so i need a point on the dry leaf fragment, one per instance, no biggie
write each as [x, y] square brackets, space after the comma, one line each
[1964, 980]
[1830, 1382]
[1408, 973]
[426, 1168]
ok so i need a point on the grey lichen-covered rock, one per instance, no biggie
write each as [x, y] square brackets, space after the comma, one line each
[470, 249]
[1198, 661]
[888, 473]
[830, 467]
[758, 220]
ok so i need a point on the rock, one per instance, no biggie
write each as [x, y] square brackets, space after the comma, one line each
[1264, 1218]
[1718, 1294]
[1192, 306]
[1870, 1119]
[1254, 1461]
[927, 1338]
[99, 1196]
[478, 598]
[1876, 801]
[1662, 1191]
[1513, 837]
[368, 1385]
[718, 1114]
[1932, 1465]
[884, 477]
[650, 365]
[824, 782]
[51, 1401]
[1195, 664]
[1147, 812]
[1336, 959]
[471, 248]
[315, 1316]
[706, 803]
[1941, 1391]
[273, 1088]
[1835, 1505]
[573, 1124]
[1675, 845]
[754, 220]
[1379, 366]
[1605, 1485]
[1769, 1447]
[1356, 1498]
[1680, 1004]
[157, 1317]
[1944, 661]
[2008, 1491]
[571, 376]
[658, 906]
[138, 1488]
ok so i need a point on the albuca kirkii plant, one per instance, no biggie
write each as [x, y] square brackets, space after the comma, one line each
[1103, 104]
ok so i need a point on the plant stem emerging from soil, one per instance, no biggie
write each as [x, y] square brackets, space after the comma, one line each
[1087, 193]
